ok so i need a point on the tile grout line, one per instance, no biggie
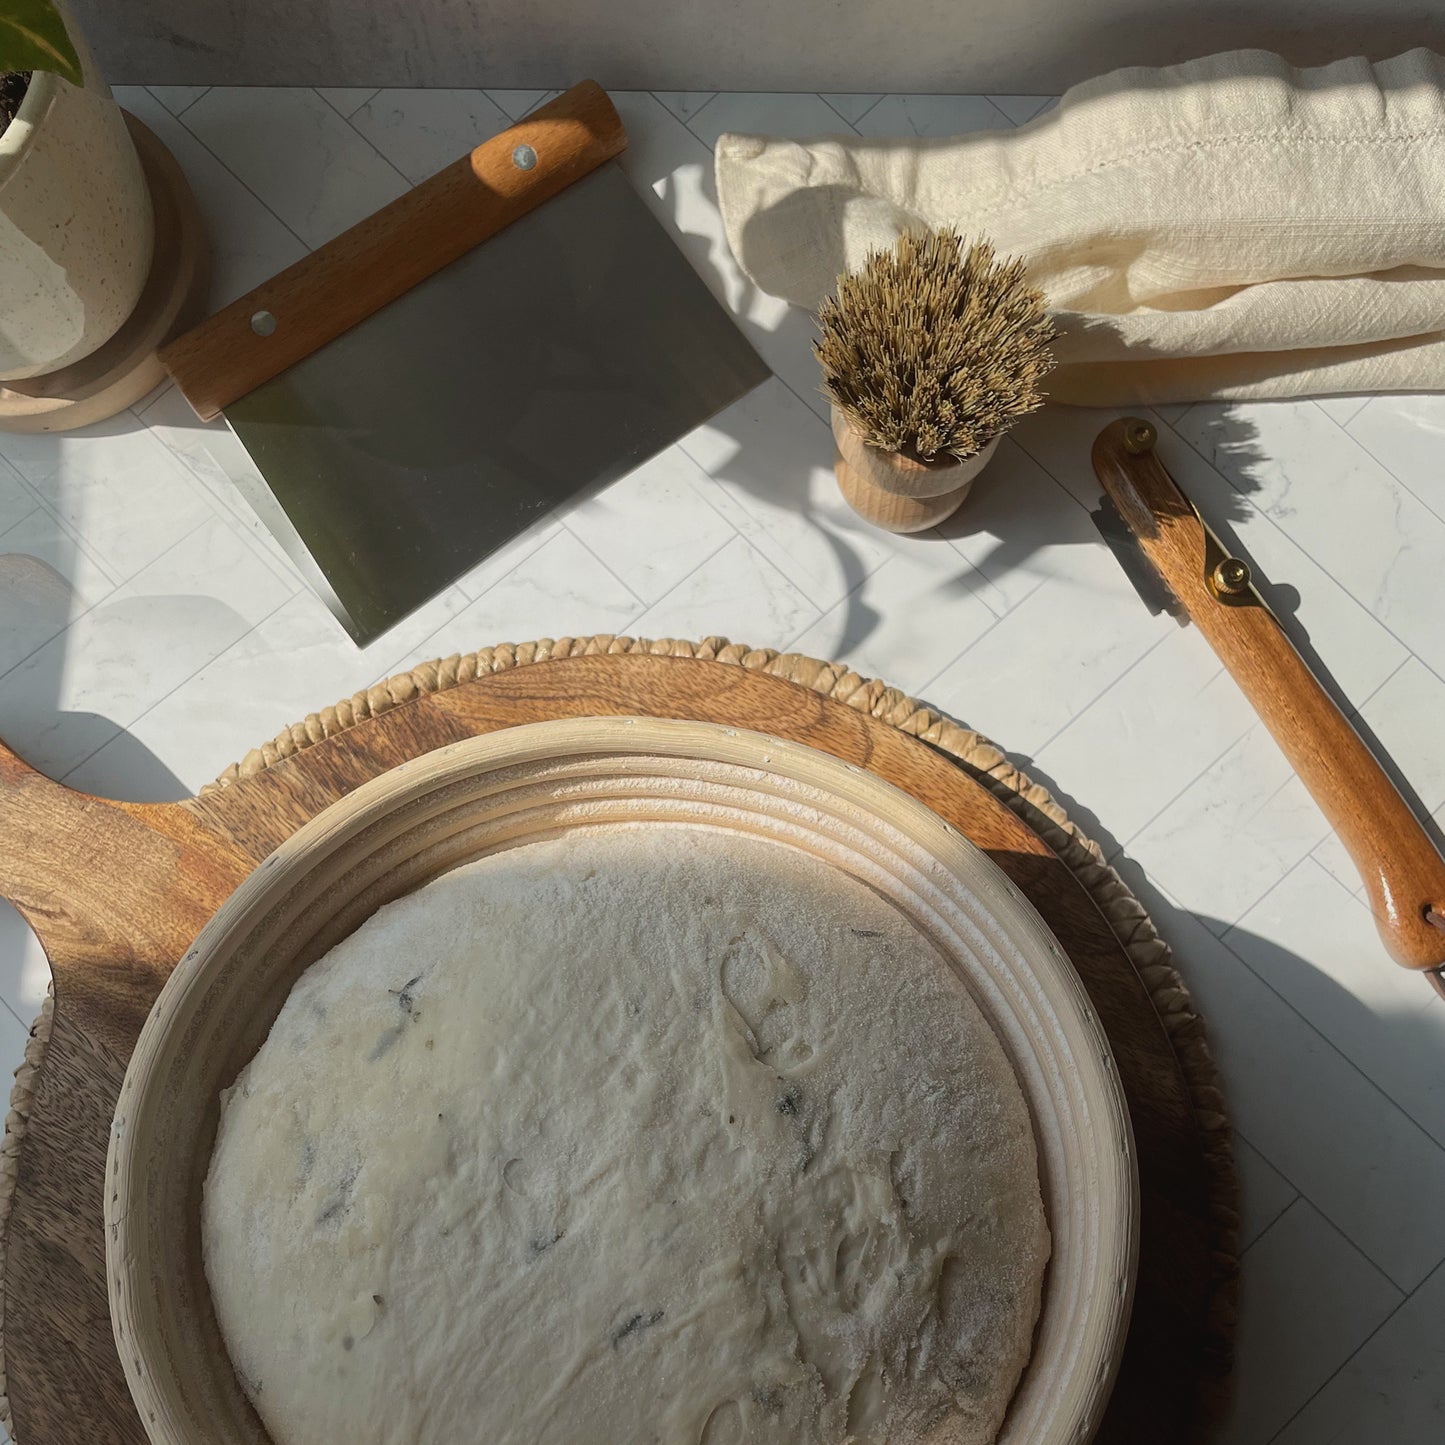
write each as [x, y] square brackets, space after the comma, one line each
[1057, 480]
[36, 510]
[27, 489]
[1126, 843]
[44, 504]
[1266, 516]
[280, 220]
[1310, 860]
[768, 561]
[1298, 1192]
[759, 526]
[1381, 462]
[1000, 617]
[64, 626]
[992, 586]
[368, 142]
[1218, 672]
[1345, 425]
[998, 110]
[1256, 724]
[10, 1008]
[922, 691]
[367, 99]
[627, 586]
[1405, 1295]
[1099, 697]
[101, 601]
[790, 645]
[1274, 1223]
[1330, 1044]
[205, 91]
[851, 124]
[1334, 1048]
[1345, 1364]
[989, 585]
[985, 583]
[84, 612]
[1268, 1159]
[497, 582]
[1355, 1245]
[706, 500]
[686, 124]
[236, 520]
[811, 408]
[126, 728]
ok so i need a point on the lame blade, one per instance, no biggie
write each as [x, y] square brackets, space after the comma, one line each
[552, 359]
[1157, 595]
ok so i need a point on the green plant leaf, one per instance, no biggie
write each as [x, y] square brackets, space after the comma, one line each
[32, 37]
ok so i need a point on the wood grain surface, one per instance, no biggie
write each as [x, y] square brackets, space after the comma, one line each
[382, 257]
[1403, 873]
[117, 891]
[895, 492]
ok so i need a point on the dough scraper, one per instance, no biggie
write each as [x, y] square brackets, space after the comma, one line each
[1181, 566]
[430, 383]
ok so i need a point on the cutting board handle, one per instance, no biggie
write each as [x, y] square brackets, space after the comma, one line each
[36, 817]
[353, 276]
[114, 891]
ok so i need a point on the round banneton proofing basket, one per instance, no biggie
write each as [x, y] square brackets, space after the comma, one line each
[495, 792]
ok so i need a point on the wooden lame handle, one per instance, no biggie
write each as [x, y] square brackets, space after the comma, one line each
[353, 276]
[1404, 875]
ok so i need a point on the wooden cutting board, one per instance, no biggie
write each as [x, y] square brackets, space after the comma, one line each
[117, 891]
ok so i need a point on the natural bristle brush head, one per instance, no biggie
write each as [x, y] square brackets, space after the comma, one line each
[934, 348]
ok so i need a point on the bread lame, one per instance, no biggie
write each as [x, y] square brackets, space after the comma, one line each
[1180, 565]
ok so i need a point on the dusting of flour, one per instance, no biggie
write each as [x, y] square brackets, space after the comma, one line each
[639, 1134]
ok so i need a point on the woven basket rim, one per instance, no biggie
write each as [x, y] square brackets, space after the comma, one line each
[976, 754]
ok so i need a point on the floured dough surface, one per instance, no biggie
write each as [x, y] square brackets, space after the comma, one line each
[640, 1134]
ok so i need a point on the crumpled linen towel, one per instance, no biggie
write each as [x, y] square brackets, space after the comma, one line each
[1228, 228]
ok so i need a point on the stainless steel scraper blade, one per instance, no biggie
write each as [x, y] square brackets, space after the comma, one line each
[551, 359]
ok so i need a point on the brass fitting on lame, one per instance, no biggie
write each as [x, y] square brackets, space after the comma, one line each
[1231, 577]
[1139, 437]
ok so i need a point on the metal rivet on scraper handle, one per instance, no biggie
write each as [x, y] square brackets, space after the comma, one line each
[263, 323]
[524, 158]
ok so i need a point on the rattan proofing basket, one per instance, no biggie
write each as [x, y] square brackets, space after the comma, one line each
[499, 791]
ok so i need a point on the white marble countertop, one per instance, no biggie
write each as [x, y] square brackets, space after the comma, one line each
[150, 633]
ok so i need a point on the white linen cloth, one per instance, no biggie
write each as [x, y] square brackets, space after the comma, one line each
[1228, 228]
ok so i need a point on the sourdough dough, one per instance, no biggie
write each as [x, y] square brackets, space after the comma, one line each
[639, 1134]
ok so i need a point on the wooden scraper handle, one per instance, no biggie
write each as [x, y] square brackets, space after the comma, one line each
[343, 282]
[1404, 875]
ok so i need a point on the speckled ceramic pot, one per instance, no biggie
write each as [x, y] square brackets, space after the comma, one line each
[76, 229]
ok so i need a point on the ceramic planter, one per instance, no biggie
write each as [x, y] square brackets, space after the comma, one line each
[895, 492]
[76, 225]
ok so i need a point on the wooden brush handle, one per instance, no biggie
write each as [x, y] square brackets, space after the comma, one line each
[384, 256]
[1404, 875]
